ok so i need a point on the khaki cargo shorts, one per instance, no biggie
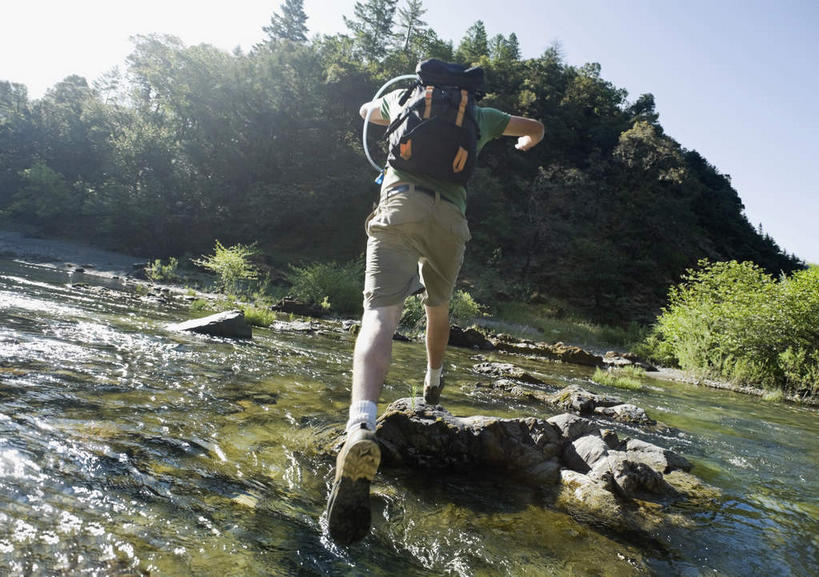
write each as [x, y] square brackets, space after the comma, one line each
[415, 240]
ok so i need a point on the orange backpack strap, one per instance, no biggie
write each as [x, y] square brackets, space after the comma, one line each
[428, 103]
[459, 121]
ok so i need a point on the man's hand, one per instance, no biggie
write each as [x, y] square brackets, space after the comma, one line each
[529, 131]
[525, 143]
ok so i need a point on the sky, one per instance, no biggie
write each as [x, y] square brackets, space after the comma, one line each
[736, 80]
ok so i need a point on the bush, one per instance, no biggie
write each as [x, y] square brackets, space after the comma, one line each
[736, 321]
[463, 308]
[259, 316]
[330, 285]
[157, 272]
[413, 317]
[232, 265]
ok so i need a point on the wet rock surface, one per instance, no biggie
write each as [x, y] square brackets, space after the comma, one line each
[572, 398]
[229, 324]
[620, 483]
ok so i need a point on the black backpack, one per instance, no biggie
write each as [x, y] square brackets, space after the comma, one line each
[436, 134]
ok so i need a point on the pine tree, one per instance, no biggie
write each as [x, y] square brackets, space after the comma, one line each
[372, 27]
[290, 24]
[474, 45]
[409, 21]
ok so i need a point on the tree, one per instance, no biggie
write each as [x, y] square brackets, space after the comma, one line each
[372, 27]
[409, 21]
[504, 51]
[474, 45]
[290, 24]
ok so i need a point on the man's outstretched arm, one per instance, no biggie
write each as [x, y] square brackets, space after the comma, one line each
[529, 131]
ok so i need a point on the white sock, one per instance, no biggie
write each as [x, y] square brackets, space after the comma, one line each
[433, 378]
[362, 412]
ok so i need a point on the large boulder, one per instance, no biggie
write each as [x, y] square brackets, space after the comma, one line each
[625, 413]
[612, 482]
[415, 434]
[230, 324]
[578, 400]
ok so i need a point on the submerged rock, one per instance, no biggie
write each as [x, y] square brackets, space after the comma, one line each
[230, 324]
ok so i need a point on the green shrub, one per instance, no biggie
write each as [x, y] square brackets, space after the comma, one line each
[622, 378]
[774, 396]
[158, 272]
[259, 316]
[734, 320]
[233, 265]
[463, 308]
[413, 317]
[333, 286]
[200, 305]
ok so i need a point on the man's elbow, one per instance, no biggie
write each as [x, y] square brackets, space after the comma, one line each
[538, 130]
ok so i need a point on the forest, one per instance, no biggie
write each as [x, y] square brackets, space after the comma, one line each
[187, 145]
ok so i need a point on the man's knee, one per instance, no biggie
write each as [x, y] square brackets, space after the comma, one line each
[381, 320]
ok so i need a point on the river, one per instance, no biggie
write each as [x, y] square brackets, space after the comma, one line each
[129, 449]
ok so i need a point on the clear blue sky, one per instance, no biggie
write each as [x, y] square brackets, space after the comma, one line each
[736, 80]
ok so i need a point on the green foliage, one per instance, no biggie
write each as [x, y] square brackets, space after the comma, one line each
[333, 286]
[736, 321]
[413, 316]
[200, 306]
[463, 308]
[259, 316]
[232, 264]
[192, 143]
[291, 24]
[622, 378]
[158, 272]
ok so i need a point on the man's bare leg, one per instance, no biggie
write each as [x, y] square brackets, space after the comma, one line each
[373, 352]
[437, 338]
[348, 508]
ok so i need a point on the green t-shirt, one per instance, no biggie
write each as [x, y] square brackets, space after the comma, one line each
[491, 123]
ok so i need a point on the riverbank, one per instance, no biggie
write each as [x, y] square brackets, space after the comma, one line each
[68, 255]
[81, 259]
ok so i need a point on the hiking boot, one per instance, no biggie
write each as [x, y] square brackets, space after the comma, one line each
[433, 394]
[348, 509]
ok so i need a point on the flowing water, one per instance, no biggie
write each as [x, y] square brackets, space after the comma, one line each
[129, 449]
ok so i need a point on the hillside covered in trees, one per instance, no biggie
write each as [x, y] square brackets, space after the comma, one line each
[188, 144]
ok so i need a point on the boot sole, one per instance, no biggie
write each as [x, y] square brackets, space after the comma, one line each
[349, 513]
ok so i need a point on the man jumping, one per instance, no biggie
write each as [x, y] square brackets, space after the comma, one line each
[416, 235]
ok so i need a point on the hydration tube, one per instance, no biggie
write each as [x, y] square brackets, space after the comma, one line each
[370, 111]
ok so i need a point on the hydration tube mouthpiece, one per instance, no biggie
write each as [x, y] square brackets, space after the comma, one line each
[370, 111]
